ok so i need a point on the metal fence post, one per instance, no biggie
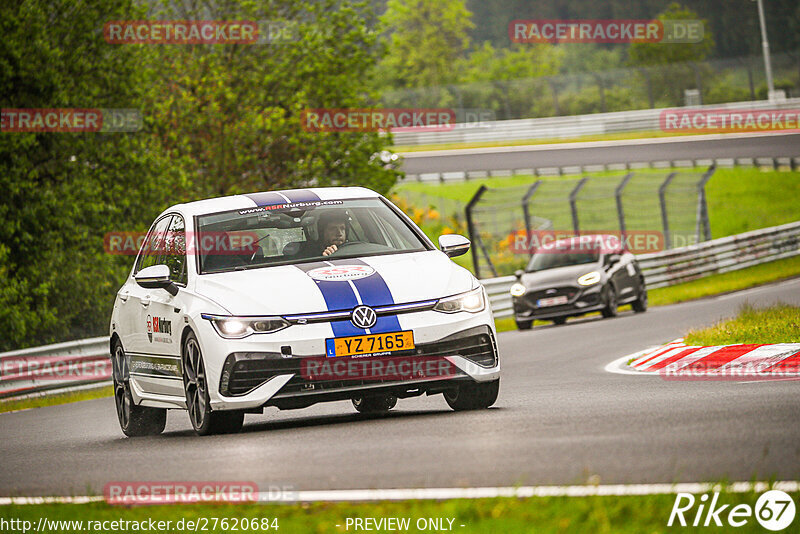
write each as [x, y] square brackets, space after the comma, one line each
[703, 224]
[473, 235]
[573, 208]
[526, 212]
[662, 192]
[618, 197]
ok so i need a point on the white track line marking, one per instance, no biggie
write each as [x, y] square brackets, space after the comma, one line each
[403, 494]
[620, 365]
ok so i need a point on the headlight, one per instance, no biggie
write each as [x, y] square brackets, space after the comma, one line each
[471, 301]
[517, 289]
[238, 327]
[589, 279]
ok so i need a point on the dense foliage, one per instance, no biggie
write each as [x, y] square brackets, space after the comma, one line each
[218, 119]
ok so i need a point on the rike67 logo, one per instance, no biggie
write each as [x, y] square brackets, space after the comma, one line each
[774, 510]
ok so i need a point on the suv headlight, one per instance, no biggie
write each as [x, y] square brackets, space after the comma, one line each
[589, 279]
[517, 289]
[231, 327]
[472, 301]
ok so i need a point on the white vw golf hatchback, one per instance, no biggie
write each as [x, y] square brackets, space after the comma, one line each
[291, 298]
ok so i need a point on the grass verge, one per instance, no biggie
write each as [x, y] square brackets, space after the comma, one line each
[642, 513]
[51, 400]
[774, 324]
[739, 199]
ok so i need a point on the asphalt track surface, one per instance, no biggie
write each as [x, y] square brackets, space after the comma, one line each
[604, 152]
[560, 419]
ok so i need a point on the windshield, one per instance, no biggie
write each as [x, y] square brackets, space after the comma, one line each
[295, 233]
[552, 260]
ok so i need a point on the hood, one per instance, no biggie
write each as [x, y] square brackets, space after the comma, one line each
[559, 276]
[337, 284]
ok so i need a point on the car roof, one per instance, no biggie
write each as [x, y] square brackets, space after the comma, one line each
[252, 200]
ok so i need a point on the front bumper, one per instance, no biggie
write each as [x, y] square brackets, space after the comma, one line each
[255, 371]
[580, 301]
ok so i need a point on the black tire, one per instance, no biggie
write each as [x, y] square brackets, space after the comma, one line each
[374, 405]
[640, 304]
[612, 305]
[473, 396]
[559, 320]
[524, 325]
[204, 421]
[134, 420]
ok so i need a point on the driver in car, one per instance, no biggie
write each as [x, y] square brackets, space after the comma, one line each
[332, 228]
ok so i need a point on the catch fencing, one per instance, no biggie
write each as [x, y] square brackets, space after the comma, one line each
[670, 202]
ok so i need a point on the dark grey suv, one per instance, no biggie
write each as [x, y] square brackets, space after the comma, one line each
[576, 276]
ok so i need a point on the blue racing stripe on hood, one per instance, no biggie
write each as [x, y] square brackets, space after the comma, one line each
[374, 292]
[338, 296]
[301, 195]
[269, 198]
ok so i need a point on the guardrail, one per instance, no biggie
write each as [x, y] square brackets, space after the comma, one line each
[53, 368]
[642, 120]
[683, 264]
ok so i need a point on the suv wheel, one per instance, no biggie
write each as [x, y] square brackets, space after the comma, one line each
[473, 396]
[640, 304]
[612, 305]
[524, 325]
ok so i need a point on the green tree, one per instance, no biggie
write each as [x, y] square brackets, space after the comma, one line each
[63, 191]
[426, 39]
[236, 110]
[218, 119]
[649, 54]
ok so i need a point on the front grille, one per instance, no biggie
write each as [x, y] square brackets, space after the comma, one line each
[243, 372]
[567, 291]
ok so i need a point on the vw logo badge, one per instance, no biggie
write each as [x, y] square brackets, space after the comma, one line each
[363, 317]
[550, 291]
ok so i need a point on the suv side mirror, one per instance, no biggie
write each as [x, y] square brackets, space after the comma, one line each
[453, 244]
[156, 277]
[518, 273]
[611, 259]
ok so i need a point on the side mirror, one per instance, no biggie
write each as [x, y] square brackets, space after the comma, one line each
[611, 259]
[453, 244]
[518, 273]
[156, 277]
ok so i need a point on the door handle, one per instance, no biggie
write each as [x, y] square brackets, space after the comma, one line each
[146, 301]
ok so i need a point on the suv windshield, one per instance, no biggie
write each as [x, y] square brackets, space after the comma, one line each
[295, 233]
[551, 260]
